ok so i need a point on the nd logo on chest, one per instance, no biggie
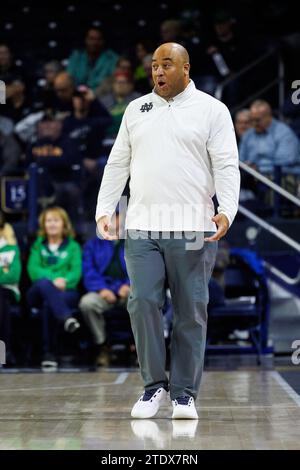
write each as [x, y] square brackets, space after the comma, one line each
[146, 107]
[57, 254]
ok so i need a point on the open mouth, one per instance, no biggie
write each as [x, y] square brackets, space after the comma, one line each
[161, 84]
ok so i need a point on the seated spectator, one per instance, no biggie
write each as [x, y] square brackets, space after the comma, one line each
[26, 129]
[171, 31]
[227, 43]
[87, 130]
[188, 35]
[117, 101]
[228, 51]
[142, 49]
[6, 125]
[270, 142]
[93, 64]
[242, 122]
[18, 105]
[64, 88]
[123, 65]
[106, 280]
[9, 71]
[10, 272]
[10, 154]
[60, 106]
[59, 157]
[145, 85]
[54, 267]
[44, 97]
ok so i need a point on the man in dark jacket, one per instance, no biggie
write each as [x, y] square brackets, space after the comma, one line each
[106, 281]
[10, 154]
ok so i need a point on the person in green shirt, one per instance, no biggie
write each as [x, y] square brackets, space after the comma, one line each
[54, 267]
[10, 272]
[117, 101]
[143, 47]
[93, 64]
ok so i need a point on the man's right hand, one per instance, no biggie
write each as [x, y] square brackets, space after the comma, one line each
[108, 295]
[106, 228]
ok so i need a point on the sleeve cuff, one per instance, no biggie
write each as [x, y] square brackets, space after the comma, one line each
[99, 215]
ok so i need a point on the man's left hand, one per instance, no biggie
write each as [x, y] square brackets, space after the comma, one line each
[222, 224]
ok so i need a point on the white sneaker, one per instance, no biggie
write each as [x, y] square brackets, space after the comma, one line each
[184, 408]
[147, 430]
[49, 363]
[149, 403]
[71, 325]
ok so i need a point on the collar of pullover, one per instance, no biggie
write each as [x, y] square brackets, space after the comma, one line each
[186, 93]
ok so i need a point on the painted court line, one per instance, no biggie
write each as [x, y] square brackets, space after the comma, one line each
[286, 387]
[121, 378]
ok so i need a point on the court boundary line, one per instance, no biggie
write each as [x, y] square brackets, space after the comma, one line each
[286, 387]
[121, 378]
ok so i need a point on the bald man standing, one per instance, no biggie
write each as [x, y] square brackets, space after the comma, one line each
[178, 146]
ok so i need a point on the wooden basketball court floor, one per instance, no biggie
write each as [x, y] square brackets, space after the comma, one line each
[240, 409]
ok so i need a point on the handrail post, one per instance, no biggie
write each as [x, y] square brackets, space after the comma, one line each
[277, 180]
[32, 197]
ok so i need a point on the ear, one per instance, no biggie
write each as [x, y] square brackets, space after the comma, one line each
[186, 68]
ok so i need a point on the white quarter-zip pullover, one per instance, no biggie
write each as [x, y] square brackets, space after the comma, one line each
[178, 154]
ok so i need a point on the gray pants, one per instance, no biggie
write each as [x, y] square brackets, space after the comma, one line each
[92, 307]
[150, 262]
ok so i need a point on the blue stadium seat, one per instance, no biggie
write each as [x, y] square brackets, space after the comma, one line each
[245, 308]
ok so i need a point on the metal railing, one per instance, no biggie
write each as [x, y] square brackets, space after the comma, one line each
[270, 228]
[279, 235]
[288, 280]
[278, 80]
[268, 182]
